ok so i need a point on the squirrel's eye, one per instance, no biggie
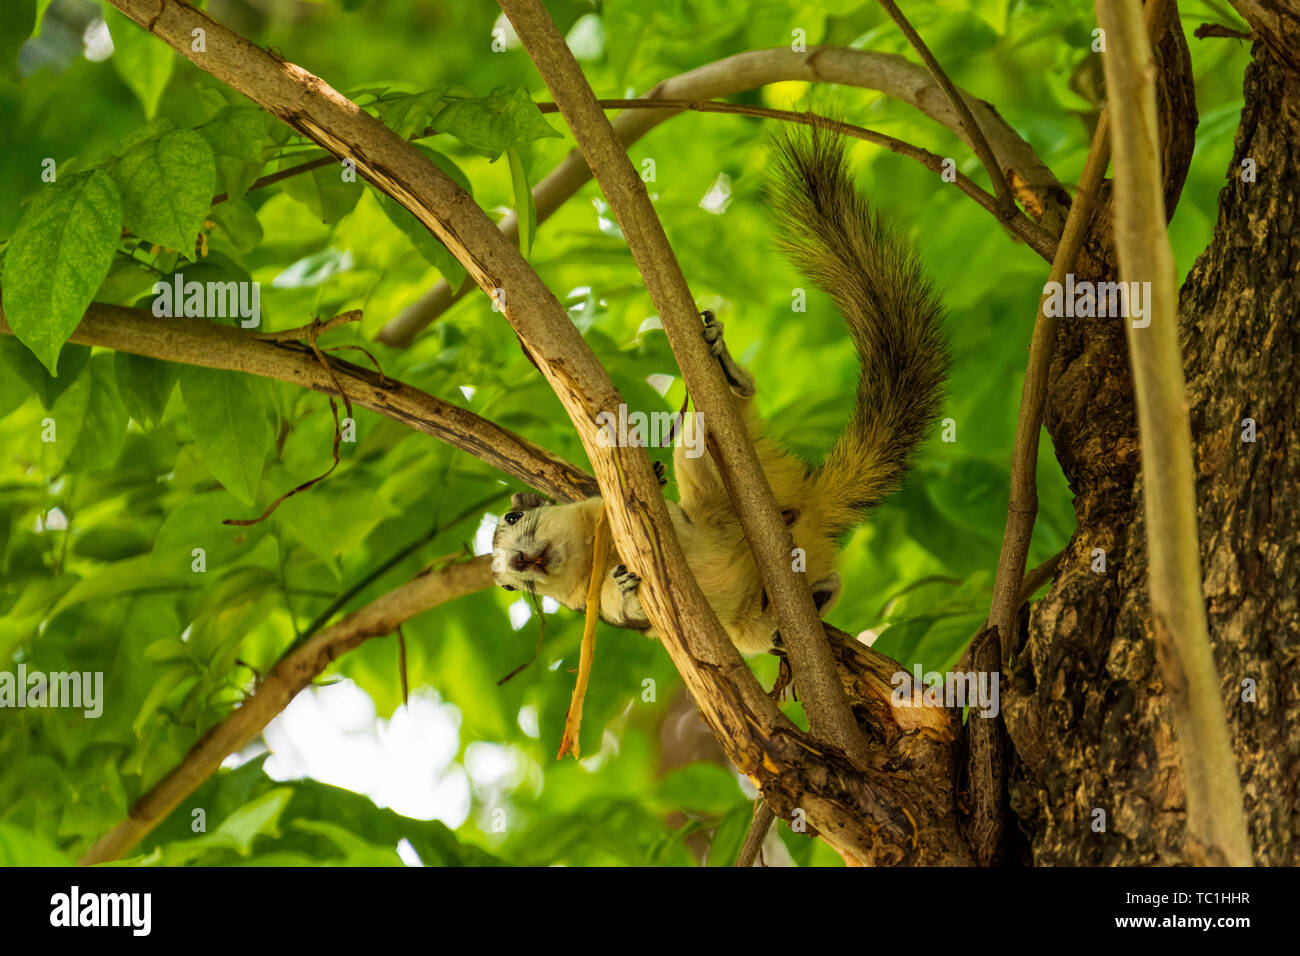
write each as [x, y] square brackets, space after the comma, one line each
[513, 516]
[509, 587]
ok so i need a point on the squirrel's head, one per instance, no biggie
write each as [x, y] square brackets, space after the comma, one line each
[545, 548]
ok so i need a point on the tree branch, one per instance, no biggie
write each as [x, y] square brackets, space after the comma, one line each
[892, 75]
[198, 342]
[991, 648]
[295, 670]
[1216, 823]
[1022, 507]
[876, 815]
[768, 535]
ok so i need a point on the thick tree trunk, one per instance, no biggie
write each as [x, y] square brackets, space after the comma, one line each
[1087, 712]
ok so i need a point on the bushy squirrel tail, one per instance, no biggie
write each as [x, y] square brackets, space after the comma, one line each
[831, 233]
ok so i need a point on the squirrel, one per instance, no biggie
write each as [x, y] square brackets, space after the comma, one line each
[831, 233]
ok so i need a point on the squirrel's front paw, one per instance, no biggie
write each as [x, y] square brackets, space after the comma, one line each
[661, 473]
[713, 333]
[627, 581]
[741, 382]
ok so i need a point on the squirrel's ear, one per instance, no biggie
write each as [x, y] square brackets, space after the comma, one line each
[525, 500]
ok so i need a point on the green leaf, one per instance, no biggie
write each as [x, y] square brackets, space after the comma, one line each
[525, 207]
[356, 851]
[18, 362]
[128, 280]
[504, 119]
[238, 175]
[145, 385]
[143, 62]
[121, 577]
[257, 818]
[110, 544]
[408, 114]
[238, 832]
[41, 6]
[239, 132]
[153, 129]
[323, 190]
[700, 788]
[103, 427]
[17, 20]
[428, 245]
[13, 390]
[166, 185]
[57, 259]
[158, 691]
[236, 222]
[729, 836]
[228, 415]
[314, 270]
[327, 522]
[20, 848]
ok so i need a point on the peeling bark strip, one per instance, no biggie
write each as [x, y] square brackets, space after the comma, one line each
[296, 670]
[197, 342]
[858, 811]
[1216, 824]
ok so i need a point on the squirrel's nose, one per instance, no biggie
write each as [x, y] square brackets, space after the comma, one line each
[537, 561]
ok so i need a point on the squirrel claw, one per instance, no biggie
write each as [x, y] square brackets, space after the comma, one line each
[627, 581]
[741, 382]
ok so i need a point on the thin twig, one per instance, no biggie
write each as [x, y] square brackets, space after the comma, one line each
[392, 561]
[1020, 225]
[1022, 505]
[1219, 30]
[904, 81]
[1006, 203]
[1039, 576]
[986, 763]
[315, 326]
[296, 669]
[1033, 580]
[762, 822]
[279, 175]
[401, 666]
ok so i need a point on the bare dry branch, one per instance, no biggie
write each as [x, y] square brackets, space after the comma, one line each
[198, 342]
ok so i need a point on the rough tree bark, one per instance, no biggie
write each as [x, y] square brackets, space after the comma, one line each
[1087, 711]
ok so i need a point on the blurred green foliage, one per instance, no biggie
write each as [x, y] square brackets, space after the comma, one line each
[97, 529]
